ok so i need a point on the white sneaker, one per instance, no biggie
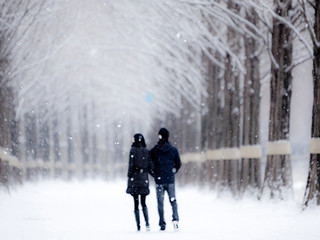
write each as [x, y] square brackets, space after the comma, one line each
[175, 225]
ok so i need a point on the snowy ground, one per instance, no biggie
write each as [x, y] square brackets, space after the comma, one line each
[101, 210]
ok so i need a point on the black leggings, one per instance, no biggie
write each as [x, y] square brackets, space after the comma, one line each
[136, 201]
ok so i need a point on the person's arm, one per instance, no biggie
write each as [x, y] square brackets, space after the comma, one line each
[177, 161]
[130, 167]
[151, 168]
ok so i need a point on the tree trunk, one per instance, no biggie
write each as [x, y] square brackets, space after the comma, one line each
[56, 142]
[278, 176]
[70, 147]
[250, 166]
[31, 143]
[214, 120]
[6, 113]
[312, 192]
[44, 145]
[44, 140]
[231, 130]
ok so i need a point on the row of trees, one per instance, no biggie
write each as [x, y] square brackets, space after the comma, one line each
[259, 32]
[73, 93]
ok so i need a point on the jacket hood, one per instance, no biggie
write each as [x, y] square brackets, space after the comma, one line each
[138, 140]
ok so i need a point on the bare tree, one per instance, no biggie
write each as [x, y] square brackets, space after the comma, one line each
[231, 116]
[16, 19]
[278, 179]
[312, 192]
[250, 165]
[214, 118]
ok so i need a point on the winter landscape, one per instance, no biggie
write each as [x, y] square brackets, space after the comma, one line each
[236, 83]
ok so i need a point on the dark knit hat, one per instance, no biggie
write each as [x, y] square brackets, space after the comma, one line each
[163, 134]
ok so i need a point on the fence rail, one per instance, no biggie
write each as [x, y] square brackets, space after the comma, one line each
[13, 169]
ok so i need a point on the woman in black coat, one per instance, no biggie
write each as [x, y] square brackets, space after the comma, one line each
[138, 181]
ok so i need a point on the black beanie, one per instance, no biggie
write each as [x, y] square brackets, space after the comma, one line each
[164, 133]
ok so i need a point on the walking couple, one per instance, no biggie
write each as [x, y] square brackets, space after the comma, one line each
[162, 162]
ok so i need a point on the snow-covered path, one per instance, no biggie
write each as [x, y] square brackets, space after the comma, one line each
[101, 210]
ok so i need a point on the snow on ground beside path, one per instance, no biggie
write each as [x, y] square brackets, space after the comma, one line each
[97, 210]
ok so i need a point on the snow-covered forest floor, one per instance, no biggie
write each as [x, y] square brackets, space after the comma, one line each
[97, 209]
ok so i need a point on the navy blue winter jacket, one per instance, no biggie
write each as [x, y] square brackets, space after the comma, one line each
[166, 163]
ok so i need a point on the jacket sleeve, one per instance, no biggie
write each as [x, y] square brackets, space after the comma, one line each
[151, 163]
[151, 166]
[131, 162]
[177, 161]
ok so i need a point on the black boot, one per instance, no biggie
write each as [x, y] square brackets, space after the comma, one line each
[137, 215]
[146, 217]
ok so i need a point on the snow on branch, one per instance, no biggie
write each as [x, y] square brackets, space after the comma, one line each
[289, 24]
[133, 56]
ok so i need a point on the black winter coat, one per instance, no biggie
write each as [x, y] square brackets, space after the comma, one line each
[139, 167]
[166, 163]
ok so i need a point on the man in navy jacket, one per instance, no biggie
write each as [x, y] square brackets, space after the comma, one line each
[166, 163]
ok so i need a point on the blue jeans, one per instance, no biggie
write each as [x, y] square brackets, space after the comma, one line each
[170, 188]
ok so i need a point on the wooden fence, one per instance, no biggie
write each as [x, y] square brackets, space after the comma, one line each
[14, 170]
[193, 169]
